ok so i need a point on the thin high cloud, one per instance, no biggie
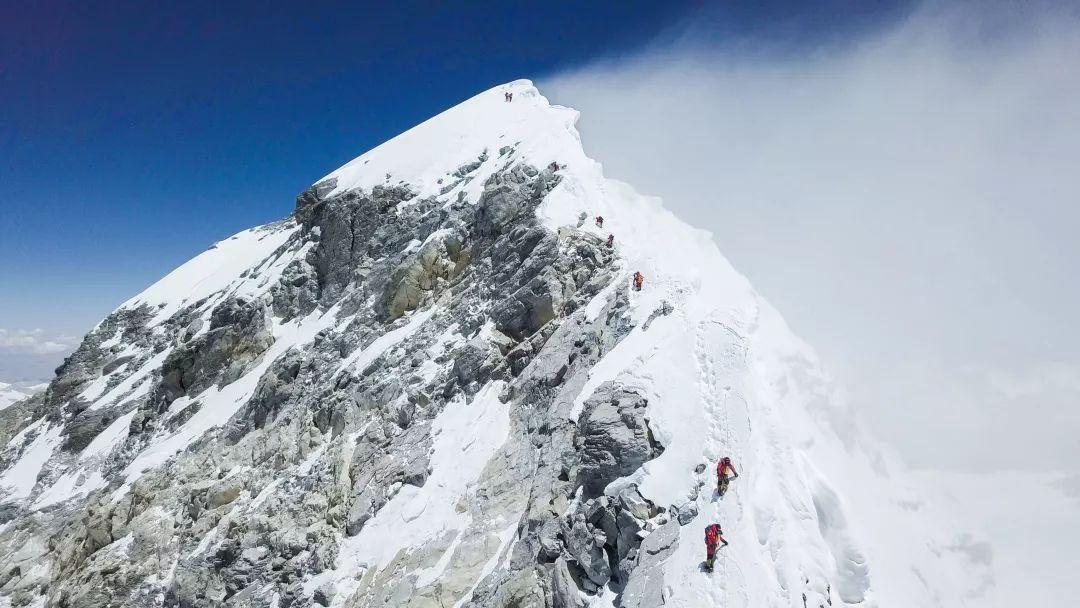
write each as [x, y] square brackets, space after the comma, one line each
[34, 342]
[908, 200]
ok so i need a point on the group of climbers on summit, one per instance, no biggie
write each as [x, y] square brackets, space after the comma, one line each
[714, 536]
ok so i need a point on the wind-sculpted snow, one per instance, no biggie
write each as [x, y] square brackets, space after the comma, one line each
[432, 385]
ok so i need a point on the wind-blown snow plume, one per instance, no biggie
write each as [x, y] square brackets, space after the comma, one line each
[906, 196]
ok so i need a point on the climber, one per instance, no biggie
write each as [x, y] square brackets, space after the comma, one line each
[599, 221]
[638, 280]
[725, 472]
[610, 240]
[713, 535]
[506, 96]
[554, 166]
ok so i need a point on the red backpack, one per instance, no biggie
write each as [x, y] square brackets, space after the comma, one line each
[712, 534]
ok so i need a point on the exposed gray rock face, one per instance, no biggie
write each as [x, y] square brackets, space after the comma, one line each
[418, 304]
[351, 229]
[506, 196]
[645, 585]
[276, 389]
[564, 591]
[381, 464]
[84, 427]
[585, 545]
[239, 332]
[438, 261]
[615, 438]
[16, 417]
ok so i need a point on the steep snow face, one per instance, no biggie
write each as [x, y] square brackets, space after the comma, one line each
[426, 155]
[242, 264]
[434, 384]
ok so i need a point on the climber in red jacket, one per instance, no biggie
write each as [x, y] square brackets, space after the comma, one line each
[725, 472]
[638, 280]
[713, 536]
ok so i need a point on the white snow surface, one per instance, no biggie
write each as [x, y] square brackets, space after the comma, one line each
[219, 269]
[818, 511]
[18, 480]
[10, 393]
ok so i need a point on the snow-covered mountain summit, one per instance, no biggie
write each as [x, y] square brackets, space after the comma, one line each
[433, 385]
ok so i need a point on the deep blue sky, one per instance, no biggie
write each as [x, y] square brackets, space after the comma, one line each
[134, 134]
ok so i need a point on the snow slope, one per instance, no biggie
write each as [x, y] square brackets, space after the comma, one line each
[816, 501]
[819, 516]
[819, 510]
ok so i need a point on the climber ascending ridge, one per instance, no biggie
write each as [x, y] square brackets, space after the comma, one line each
[508, 96]
[638, 280]
[725, 472]
[599, 221]
[610, 240]
[713, 536]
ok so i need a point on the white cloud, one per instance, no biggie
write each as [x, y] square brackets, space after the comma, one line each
[907, 200]
[34, 342]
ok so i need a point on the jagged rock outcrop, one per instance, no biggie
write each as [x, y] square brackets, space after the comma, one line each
[645, 582]
[239, 332]
[381, 464]
[439, 260]
[614, 439]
